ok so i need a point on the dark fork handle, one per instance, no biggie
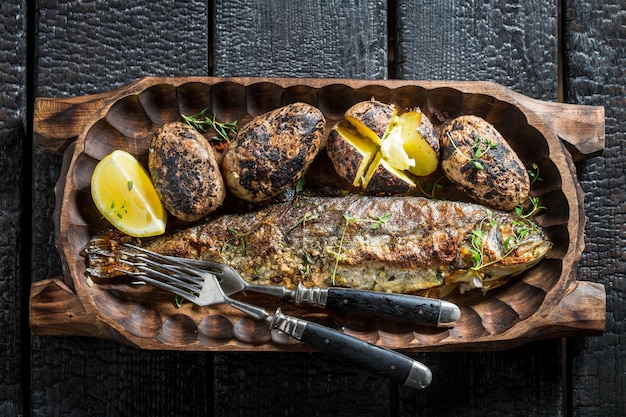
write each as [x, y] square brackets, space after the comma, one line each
[388, 363]
[417, 310]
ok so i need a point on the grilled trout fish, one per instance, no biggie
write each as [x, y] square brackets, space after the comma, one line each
[394, 244]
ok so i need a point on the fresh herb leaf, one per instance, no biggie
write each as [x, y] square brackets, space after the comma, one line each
[300, 184]
[373, 224]
[477, 151]
[201, 122]
[535, 207]
[307, 217]
[309, 261]
[118, 210]
[533, 173]
[238, 239]
[428, 189]
[178, 301]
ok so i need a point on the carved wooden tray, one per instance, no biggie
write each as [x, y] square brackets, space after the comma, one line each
[546, 301]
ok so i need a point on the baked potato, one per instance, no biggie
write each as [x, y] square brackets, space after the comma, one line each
[272, 151]
[185, 173]
[477, 159]
[381, 151]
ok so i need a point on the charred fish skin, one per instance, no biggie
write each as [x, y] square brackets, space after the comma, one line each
[394, 244]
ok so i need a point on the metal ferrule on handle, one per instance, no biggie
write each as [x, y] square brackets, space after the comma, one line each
[292, 326]
[310, 296]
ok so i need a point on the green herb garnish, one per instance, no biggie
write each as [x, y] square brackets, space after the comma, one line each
[118, 210]
[309, 261]
[534, 201]
[373, 224]
[533, 173]
[307, 217]
[428, 189]
[521, 230]
[237, 239]
[178, 301]
[476, 151]
[202, 123]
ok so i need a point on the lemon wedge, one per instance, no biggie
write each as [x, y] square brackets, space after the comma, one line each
[123, 192]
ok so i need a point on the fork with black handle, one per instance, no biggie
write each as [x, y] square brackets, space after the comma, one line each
[202, 288]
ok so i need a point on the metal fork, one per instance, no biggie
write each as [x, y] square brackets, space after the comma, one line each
[201, 287]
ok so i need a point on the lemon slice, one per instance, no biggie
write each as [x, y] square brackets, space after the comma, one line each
[123, 192]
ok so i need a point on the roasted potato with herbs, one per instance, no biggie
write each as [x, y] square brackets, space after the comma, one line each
[477, 159]
[185, 173]
[380, 151]
[272, 151]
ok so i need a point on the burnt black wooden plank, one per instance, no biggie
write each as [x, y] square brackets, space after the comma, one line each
[513, 44]
[595, 47]
[91, 47]
[340, 39]
[328, 39]
[13, 44]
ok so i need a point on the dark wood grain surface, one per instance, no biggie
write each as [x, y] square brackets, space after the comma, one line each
[13, 344]
[595, 59]
[68, 48]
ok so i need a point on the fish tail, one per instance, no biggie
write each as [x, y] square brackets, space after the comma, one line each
[103, 253]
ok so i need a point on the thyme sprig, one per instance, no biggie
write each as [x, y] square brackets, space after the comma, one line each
[201, 122]
[533, 173]
[373, 223]
[309, 261]
[178, 301]
[308, 216]
[237, 239]
[429, 189]
[118, 210]
[476, 151]
[521, 229]
[535, 207]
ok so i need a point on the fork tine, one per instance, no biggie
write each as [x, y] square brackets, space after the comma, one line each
[214, 267]
[164, 276]
[144, 262]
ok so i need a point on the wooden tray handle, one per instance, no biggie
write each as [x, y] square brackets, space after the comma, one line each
[581, 312]
[58, 121]
[55, 310]
[580, 127]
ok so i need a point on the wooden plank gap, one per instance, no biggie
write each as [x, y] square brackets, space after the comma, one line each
[560, 51]
[566, 380]
[391, 39]
[211, 13]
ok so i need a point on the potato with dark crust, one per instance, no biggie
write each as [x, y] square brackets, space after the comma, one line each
[185, 173]
[477, 159]
[380, 151]
[272, 151]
